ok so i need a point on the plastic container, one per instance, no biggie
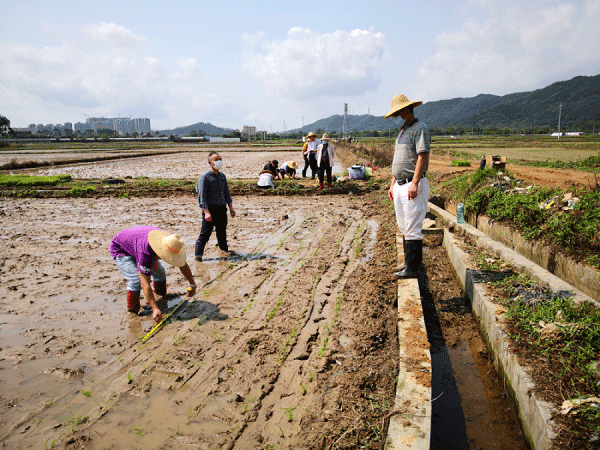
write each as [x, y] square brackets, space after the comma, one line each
[460, 213]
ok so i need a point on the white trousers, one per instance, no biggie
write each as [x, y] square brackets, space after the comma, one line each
[410, 214]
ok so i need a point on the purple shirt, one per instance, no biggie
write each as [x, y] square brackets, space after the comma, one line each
[134, 242]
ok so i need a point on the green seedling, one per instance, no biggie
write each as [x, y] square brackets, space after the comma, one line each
[323, 347]
[281, 432]
[87, 393]
[303, 388]
[338, 304]
[79, 420]
[274, 310]
[311, 375]
[247, 403]
[138, 431]
[129, 376]
[288, 413]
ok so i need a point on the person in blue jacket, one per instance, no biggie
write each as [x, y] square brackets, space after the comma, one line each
[213, 199]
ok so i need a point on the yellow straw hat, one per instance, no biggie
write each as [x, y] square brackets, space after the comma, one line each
[325, 137]
[168, 247]
[292, 164]
[311, 134]
[400, 102]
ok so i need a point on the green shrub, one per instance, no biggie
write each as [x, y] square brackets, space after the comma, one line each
[459, 163]
[82, 191]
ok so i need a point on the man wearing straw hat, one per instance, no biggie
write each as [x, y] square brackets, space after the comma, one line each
[137, 252]
[409, 188]
[311, 155]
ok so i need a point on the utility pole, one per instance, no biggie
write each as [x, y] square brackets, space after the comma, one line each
[559, 112]
[345, 129]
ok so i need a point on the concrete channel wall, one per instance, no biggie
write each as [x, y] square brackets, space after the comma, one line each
[581, 276]
[410, 424]
[534, 414]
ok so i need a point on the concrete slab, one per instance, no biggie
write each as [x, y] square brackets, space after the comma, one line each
[410, 423]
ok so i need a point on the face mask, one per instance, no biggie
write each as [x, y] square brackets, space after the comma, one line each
[218, 164]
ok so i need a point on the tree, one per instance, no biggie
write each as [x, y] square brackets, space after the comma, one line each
[5, 128]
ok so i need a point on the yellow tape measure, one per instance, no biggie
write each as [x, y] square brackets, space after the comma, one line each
[163, 321]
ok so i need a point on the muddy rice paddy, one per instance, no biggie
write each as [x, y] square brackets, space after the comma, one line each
[73, 371]
[187, 165]
[290, 342]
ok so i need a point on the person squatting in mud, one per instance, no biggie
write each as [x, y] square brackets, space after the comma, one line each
[265, 180]
[325, 155]
[311, 155]
[213, 198]
[409, 189]
[137, 252]
[273, 167]
[288, 168]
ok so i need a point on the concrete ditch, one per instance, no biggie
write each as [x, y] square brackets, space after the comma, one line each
[582, 277]
[410, 424]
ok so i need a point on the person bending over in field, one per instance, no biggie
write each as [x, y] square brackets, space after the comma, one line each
[137, 252]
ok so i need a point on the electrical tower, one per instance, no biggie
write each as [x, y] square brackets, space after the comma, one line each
[345, 130]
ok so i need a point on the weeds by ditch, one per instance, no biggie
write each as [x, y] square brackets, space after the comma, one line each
[560, 339]
[539, 213]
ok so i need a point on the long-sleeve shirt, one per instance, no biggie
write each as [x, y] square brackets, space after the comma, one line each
[213, 190]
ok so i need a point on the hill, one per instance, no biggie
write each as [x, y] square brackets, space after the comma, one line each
[579, 96]
[200, 128]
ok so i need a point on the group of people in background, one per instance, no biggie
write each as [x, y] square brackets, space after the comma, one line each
[138, 251]
[318, 155]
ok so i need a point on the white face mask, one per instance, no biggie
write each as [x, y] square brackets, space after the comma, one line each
[218, 164]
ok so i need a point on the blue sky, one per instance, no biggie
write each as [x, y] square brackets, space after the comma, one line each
[266, 63]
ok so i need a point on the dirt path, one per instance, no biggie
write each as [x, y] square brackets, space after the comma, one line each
[440, 166]
[307, 348]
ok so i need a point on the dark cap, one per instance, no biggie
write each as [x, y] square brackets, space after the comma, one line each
[275, 163]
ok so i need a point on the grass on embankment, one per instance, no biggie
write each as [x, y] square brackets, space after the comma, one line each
[63, 186]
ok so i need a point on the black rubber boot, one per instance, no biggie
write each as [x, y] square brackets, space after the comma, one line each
[413, 258]
[403, 264]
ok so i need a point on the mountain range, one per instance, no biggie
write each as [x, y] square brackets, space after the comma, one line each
[578, 100]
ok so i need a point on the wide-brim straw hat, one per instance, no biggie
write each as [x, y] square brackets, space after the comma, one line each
[325, 137]
[311, 134]
[262, 172]
[399, 102]
[168, 247]
[292, 164]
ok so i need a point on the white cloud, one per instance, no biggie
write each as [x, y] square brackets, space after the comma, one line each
[189, 67]
[513, 48]
[309, 64]
[67, 80]
[111, 32]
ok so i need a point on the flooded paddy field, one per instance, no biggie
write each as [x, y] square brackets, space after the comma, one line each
[184, 165]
